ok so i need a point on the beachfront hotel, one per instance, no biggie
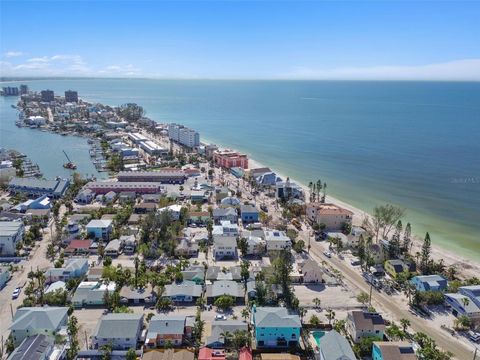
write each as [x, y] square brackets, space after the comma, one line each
[183, 135]
[229, 159]
[334, 217]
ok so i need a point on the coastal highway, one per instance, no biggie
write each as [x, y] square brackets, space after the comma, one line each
[386, 303]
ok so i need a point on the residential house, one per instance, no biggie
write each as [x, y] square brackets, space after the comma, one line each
[78, 247]
[11, 233]
[332, 216]
[230, 201]
[195, 273]
[465, 302]
[256, 245]
[267, 179]
[137, 296]
[38, 347]
[288, 190]
[73, 268]
[145, 208]
[334, 346]
[113, 248]
[376, 253]
[224, 247]
[198, 196]
[99, 229]
[166, 329]
[206, 353]
[429, 283]
[364, 324]
[186, 248]
[4, 276]
[225, 214]
[57, 285]
[225, 228]
[31, 321]
[216, 340]
[129, 244]
[249, 214]
[184, 292]
[251, 290]
[173, 210]
[222, 273]
[277, 240]
[85, 196]
[311, 272]
[225, 287]
[168, 354]
[198, 217]
[387, 350]
[91, 293]
[120, 331]
[394, 267]
[275, 327]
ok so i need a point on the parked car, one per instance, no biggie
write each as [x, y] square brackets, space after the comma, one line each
[474, 336]
[264, 208]
[328, 254]
[355, 262]
[16, 293]
[220, 317]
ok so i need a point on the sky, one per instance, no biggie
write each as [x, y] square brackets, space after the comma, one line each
[357, 40]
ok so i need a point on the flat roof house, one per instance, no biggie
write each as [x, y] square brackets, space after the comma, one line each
[121, 331]
[362, 324]
[100, 229]
[30, 321]
[11, 233]
[137, 296]
[277, 240]
[429, 283]
[275, 327]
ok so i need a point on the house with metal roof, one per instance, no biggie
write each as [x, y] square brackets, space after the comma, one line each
[365, 324]
[222, 273]
[275, 327]
[225, 287]
[195, 273]
[225, 214]
[168, 329]
[249, 213]
[137, 296]
[30, 321]
[277, 240]
[465, 302]
[73, 268]
[216, 340]
[91, 293]
[334, 346]
[38, 347]
[429, 283]
[99, 229]
[11, 233]
[33, 187]
[120, 331]
[224, 247]
[184, 292]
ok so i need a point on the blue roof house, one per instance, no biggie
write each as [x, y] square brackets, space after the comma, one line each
[429, 283]
[275, 327]
[100, 229]
[249, 214]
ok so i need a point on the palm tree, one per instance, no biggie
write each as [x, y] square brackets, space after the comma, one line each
[465, 301]
[317, 302]
[137, 264]
[330, 316]
[319, 188]
[246, 313]
[405, 324]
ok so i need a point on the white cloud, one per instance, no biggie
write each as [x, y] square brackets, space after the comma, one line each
[10, 54]
[63, 65]
[466, 70]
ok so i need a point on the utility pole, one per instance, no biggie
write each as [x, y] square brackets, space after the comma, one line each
[86, 340]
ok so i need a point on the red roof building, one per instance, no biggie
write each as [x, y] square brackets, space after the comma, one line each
[245, 354]
[206, 353]
[78, 247]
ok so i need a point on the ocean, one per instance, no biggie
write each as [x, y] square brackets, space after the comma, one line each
[413, 144]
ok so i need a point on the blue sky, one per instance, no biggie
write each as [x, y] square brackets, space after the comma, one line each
[242, 39]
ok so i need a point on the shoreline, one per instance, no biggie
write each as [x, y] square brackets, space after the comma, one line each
[465, 267]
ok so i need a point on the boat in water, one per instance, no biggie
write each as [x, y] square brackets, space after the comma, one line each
[69, 165]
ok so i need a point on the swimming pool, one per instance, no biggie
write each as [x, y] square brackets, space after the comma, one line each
[317, 335]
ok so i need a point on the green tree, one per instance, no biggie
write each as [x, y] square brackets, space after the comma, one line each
[363, 298]
[224, 302]
[131, 354]
[407, 238]
[383, 220]
[425, 254]
[243, 246]
[314, 320]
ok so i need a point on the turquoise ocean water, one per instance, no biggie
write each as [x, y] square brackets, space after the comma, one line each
[414, 144]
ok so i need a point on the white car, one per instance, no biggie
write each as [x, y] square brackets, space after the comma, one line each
[16, 293]
[220, 317]
[328, 254]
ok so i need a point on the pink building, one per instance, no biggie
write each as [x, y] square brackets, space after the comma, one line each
[103, 187]
[229, 159]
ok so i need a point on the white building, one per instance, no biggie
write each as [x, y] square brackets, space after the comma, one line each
[11, 233]
[277, 240]
[183, 135]
[120, 331]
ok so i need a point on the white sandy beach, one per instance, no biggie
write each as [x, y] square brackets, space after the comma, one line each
[465, 267]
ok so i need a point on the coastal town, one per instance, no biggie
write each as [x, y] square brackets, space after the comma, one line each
[186, 250]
